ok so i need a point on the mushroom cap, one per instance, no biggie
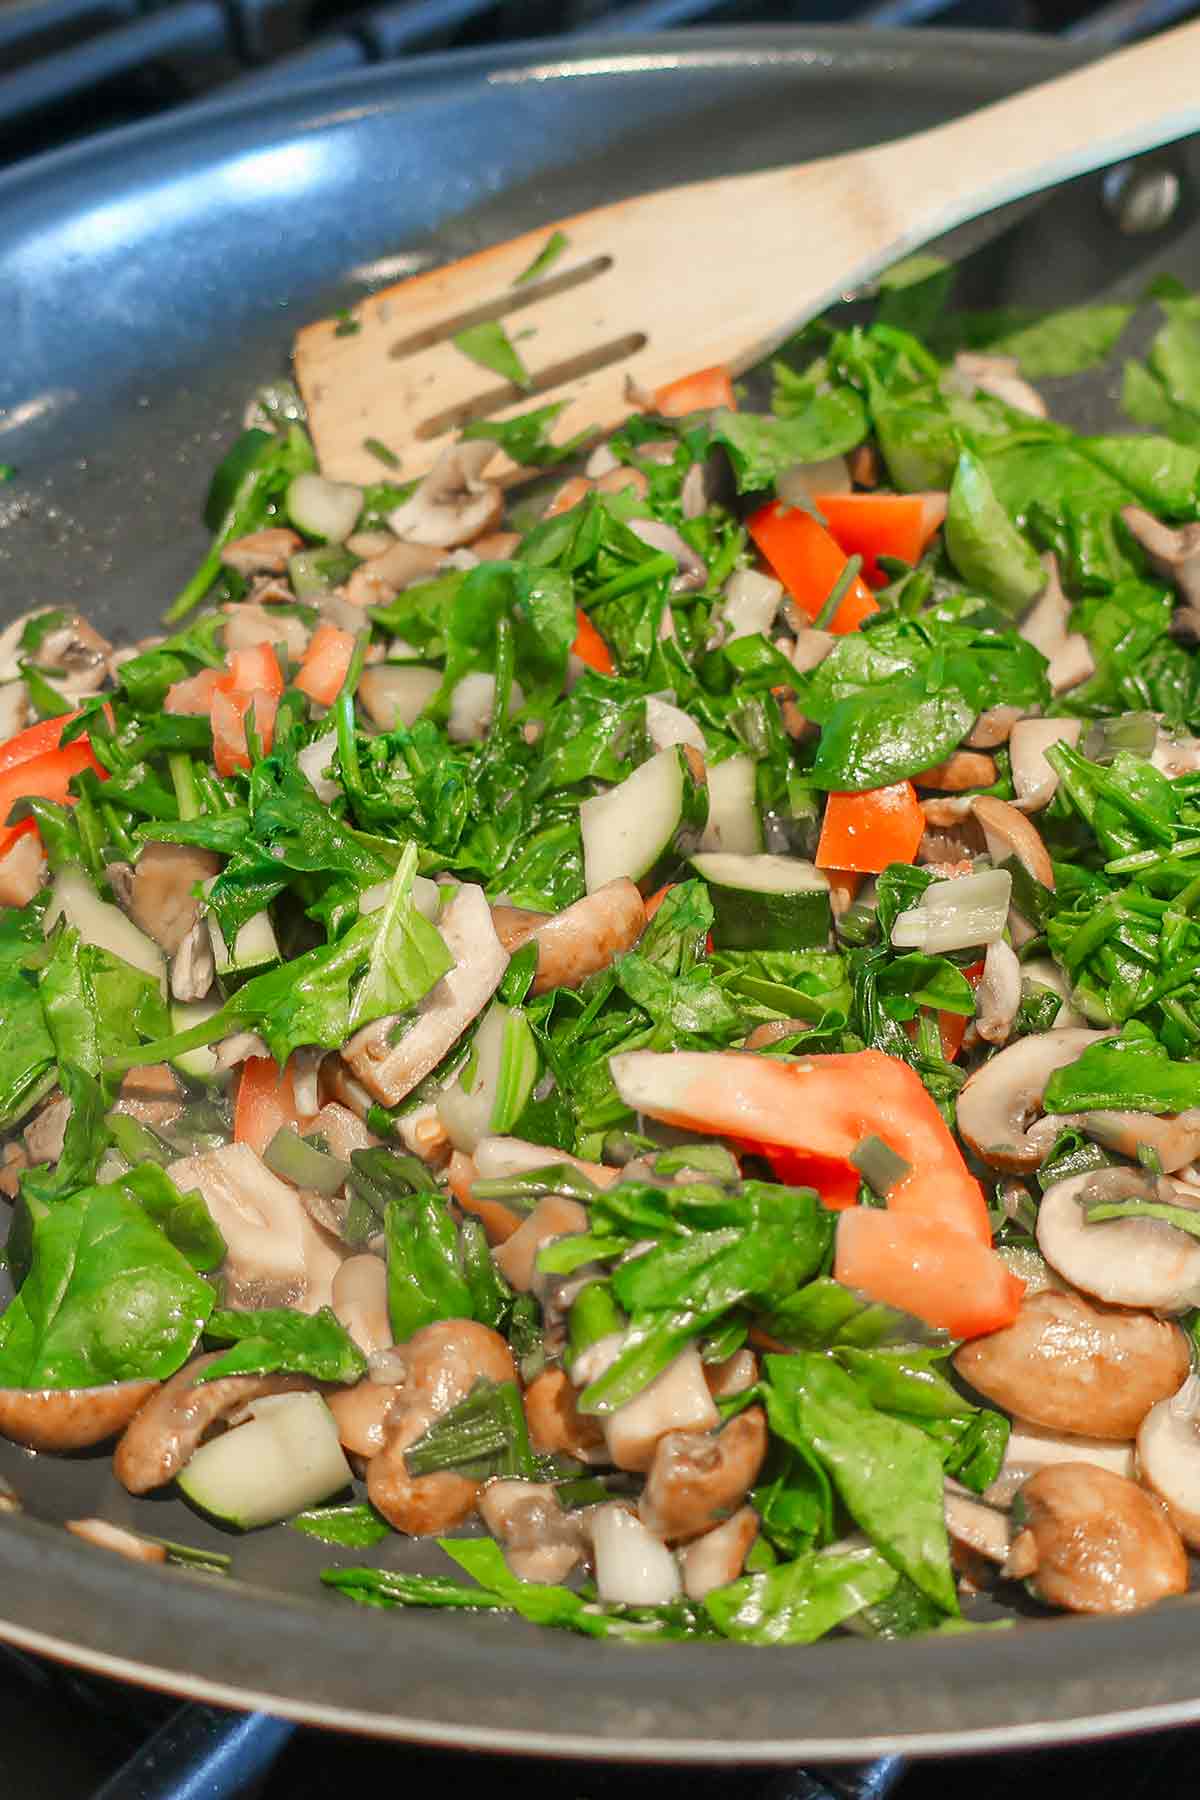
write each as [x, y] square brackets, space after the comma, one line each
[1126, 1262]
[997, 1102]
[1096, 1543]
[1168, 1457]
[452, 505]
[1073, 1365]
[696, 1479]
[70, 1418]
[159, 1440]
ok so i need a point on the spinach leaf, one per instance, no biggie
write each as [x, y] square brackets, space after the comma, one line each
[526, 438]
[276, 1339]
[184, 1218]
[762, 448]
[425, 1275]
[545, 259]
[97, 1006]
[354, 1525]
[106, 1298]
[887, 1473]
[483, 1436]
[490, 346]
[985, 547]
[407, 956]
[865, 746]
[1063, 342]
[798, 1602]
[83, 1142]
[27, 1051]
[1131, 1073]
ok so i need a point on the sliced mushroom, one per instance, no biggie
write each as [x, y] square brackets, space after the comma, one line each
[342, 1130]
[1074, 1365]
[556, 1426]
[541, 1541]
[380, 578]
[390, 1071]
[1032, 1447]
[442, 1363]
[1035, 781]
[359, 1295]
[452, 505]
[396, 694]
[732, 1376]
[1009, 833]
[697, 1479]
[1168, 1458]
[159, 1440]
[79, 652]
[23, 870]
[70, 1418]
[993, 727]
[107, 1536]
[1174, 1138]
[1126, 1262]
[46, 1133]
[362, 1413]
[1174, 553]
[998, 996]
[248, 624]
[1000, 376]
[693, 570]
[717, 1558]
[1047, 627]
[498, 1156]
[676, 1400]
[193, 966]
[552, 1217]
[162, 899]
[276, 1255]
[998, 1102]
[262, 552]
[581, 940]
[976, 1525]
[1092, 1542]
[423, 1134]
[961, 770]
[151, 1094]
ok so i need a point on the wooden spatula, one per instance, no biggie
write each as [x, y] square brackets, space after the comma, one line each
[653, 287]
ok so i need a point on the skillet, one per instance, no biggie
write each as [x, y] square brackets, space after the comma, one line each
[148, 281]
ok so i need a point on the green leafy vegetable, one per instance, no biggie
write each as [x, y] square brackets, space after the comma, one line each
[546, 257]
[490, 346]
[275, 1339]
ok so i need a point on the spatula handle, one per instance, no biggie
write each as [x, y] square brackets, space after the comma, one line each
[1119, 106]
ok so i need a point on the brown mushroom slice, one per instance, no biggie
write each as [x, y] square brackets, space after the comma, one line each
[23, 871]
[262, 552]
[390, 1071]
[555, 1422]
[733, 1375]
[46, 1132]
[676, 1400]
[552, 1217]
[1047, 626]
[64, 1419]
[1174, 553]
[342, 1130]
[1173, 1137]
[999, 376]
[160, 1438]
[994, 727]
[442, 1363]
[452, 505]
[151, 1094]
[961, 770]
[541, 1541]
[1035, 781]
[717, 1558]
[1008, 832]
[361, 1414]
[107, 1536]
[998, 996]
[580, 941]
[1075, 1365]
[976, 1525]
[1092, 1542]
[697, 1479]
[248, 624]
[1126, 1262]
[359, 1295]
[1168, 1458]
[999, 1101]
[163, 901]
[276, 1255]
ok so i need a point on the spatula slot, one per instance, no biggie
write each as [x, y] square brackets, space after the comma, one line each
[516, 300]
[572, 368]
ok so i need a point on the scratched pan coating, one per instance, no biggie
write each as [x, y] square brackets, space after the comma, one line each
[147, 281]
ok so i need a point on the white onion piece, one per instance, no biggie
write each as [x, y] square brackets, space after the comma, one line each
[472, 705]
[322, 508]
[750, 603]
[314, 759]
[955, 915]
[633, 1567]
[427, 897]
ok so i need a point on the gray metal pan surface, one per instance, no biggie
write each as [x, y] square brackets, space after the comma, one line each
[147, 283]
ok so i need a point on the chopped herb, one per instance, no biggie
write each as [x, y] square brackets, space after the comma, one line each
[549, 254]
[490, 346]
